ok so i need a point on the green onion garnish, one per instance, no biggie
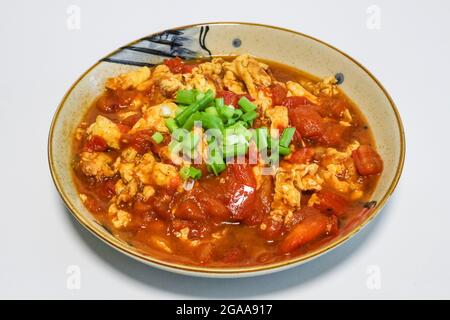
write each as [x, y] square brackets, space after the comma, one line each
[249, 116]
[185, 97]
[261, 135]
[287, 136]
[190, 172]
[246, 105]
[158, 137]
[171, 124]
[284, 151]
[194, 107]
[212, 111]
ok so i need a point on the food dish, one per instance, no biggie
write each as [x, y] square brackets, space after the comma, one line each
[359, 85]
[228, 162]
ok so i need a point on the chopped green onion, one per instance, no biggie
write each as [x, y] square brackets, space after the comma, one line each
[217, 168]
[226, 112]
[235, 150]
[185, 97]
[237, 114]
[158, 137]
[219, 103]
[261, 135]
[246, 105]
[190, 172]
[171, 124]
[249, 116]
[208, 121]
[184, 173]
[284, 151]
[230, 122]
[194, 107]
[199, 96]
[286, 137]
[212, 111]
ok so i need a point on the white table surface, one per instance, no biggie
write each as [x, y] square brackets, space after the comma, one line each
[407, 246]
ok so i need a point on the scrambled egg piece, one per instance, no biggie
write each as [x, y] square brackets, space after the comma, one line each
[106, 129]
[96, 164]
[340, 173]
[145, 167]
[263, 101]
[126, 191]
[296, 89]
[129, 80]
[290, 181]
[120, 218]
[164, 174]
[278, 116]
[250, 71]
[200, 82]
[231, 82]
[306, 176]
[154, 117]
[327, 86]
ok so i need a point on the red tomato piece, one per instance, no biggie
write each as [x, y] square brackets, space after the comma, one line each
[242, 191]
[278, 93]
[333, 134]
[307, 121]
[273, 229]
[140, 141]
[130, 121]
[189, 209]
[107, 189]
[304, 155]
[175, 64]
[295, 101]
[331, 203]
[229, 98]
[311, 228]
[95, 144]
[367, 160]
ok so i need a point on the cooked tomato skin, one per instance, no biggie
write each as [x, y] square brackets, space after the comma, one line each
[307, 121]
[331, 203]
[312, 227]
[278, 93]
[295, 101]
[367, 160]
[130, 121]
[95, 144]
[333, 135]
[231, 98]
[177, 65]
[304, 155]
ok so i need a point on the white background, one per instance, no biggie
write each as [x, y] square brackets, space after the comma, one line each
[408, 243]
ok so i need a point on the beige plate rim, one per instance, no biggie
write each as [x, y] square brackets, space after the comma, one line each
[228, 272]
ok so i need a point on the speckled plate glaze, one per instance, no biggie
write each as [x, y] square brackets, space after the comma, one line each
[210, 39]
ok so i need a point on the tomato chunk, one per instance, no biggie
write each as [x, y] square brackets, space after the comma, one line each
[295, 101]
[307, 121]
[331, 203]
[177, 65]
[333, 134]
[278, 93]
[96, 144]
[311, 228]
[231, 98]
[367, 160]
[303, 155]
